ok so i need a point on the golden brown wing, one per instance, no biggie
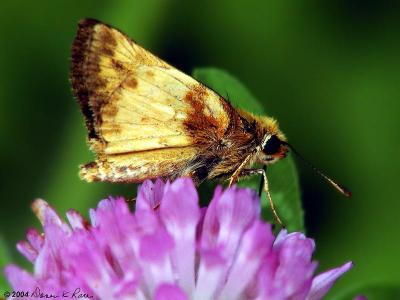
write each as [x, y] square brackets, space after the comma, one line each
[139, 166]
[145, 118]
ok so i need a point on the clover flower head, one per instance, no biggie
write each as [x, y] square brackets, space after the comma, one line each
[170, 248]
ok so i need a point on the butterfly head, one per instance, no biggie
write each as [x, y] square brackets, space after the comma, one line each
[273, 149]
[273, 145]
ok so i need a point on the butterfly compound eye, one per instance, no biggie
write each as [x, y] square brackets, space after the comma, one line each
[272, 145]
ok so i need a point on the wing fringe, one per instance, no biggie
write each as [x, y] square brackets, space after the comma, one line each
[79, 70]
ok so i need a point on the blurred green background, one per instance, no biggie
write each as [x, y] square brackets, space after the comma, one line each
[329, 71]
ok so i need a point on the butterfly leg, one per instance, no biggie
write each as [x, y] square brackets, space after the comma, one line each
[235, 176]
[263, 173]
[261, 186]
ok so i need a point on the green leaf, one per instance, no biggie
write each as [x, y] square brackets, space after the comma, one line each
[5, 258]
[282, 176]
[371, 292]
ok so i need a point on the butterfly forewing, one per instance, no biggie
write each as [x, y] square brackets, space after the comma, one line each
[145, 118]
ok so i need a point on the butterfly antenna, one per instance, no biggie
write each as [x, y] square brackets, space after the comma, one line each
[336, 185]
